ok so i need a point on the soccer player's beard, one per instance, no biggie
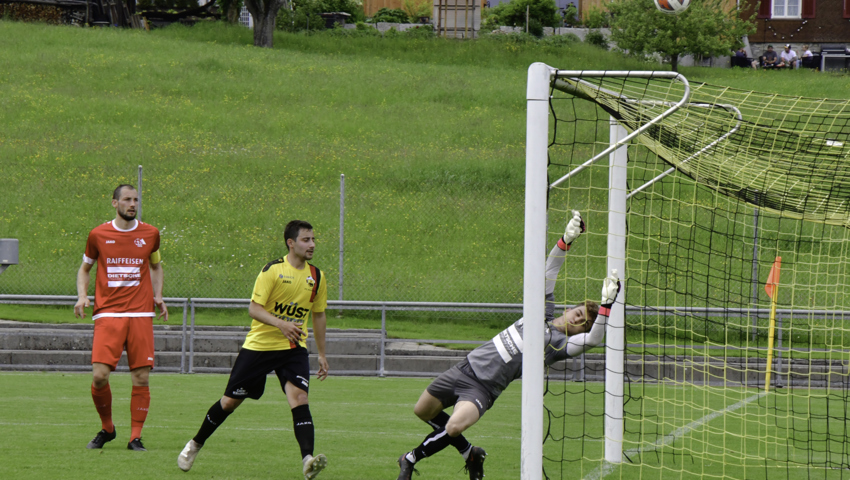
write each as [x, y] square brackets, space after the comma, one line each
[127, 217]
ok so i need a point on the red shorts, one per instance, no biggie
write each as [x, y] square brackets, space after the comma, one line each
[114, 334]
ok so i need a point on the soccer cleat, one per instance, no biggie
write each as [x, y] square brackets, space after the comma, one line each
[313, 465]
[102, 437]
[475, 463]
[136, 445]
[187, 456]
[405, 468]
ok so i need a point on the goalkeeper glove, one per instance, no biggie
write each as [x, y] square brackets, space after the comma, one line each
[575, 227]
[610, 290]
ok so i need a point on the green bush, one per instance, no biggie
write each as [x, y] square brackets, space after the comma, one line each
[571, 16]
[513, 13]
[308, 12]
[596, 38]
[535, 28]
[596, 18]
[390, 15]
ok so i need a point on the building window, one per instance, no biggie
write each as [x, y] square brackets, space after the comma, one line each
[786, 9]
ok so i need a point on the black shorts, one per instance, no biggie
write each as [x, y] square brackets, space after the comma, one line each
[248, 377]
[455, 385]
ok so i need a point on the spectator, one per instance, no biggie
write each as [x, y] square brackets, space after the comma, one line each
[740, 59]
[770, 60]
[789, 57]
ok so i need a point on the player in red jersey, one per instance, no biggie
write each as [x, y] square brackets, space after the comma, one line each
[127, 287]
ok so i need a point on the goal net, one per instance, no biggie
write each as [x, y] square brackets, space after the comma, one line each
[696, 192]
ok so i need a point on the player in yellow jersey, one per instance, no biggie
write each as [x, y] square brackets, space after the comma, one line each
[287, 293]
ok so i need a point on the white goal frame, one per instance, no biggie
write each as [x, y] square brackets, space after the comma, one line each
[540, 78]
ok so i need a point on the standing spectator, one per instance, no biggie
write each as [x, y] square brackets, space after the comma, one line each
[128, 285]
[789, 57]
[287, 291]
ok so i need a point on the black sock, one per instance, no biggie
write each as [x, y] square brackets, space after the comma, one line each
[302, 424]
[435, 442]
[460, 442]
[215, 417]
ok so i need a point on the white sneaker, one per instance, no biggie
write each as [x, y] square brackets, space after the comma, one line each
[187, 456]
[314, 465]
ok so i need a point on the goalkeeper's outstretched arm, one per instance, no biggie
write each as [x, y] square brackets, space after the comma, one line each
[575, 227]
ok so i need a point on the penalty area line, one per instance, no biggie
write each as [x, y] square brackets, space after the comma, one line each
[606, 468]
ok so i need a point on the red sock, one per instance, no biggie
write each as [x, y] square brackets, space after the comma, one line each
[103, 403]
[139, 403]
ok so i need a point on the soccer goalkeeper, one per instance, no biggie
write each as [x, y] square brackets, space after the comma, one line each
[474, 384]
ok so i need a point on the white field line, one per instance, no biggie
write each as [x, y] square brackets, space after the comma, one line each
[606, 468]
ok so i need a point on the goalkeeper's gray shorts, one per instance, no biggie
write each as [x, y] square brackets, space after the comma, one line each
[454, 385]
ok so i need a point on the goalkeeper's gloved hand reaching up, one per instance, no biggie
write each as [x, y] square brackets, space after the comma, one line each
[575, 227]
[610, 290]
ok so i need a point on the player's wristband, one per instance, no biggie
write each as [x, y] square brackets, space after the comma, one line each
[605, 310]
[563, 245]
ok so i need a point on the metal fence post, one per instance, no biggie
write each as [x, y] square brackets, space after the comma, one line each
[139, 189]
[192, 340]
[341, 232]
[183, 338]
[383, 339]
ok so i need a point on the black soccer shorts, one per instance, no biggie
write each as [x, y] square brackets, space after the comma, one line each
[248, 376]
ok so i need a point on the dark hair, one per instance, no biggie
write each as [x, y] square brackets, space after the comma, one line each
[116, 194]
[292, 230]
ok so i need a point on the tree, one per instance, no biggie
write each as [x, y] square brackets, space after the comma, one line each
[513, 13]
[264, 13]
[705, 28]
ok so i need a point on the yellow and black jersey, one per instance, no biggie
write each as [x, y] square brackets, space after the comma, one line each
[289, 294]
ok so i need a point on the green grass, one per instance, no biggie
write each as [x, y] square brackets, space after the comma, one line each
[363, 424]
[237, 140]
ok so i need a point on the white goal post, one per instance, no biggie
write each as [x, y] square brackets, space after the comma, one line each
[540, 82]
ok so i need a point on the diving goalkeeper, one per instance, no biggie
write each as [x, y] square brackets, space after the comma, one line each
[474, 384]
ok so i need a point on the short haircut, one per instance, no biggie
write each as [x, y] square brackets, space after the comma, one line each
[292, 230]
[116, 194]
[592, 309]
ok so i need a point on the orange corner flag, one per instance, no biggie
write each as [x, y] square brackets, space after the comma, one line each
[773, 279]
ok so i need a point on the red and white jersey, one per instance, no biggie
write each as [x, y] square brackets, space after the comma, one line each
[123, 283]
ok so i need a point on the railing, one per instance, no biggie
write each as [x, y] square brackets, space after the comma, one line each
[189, 306]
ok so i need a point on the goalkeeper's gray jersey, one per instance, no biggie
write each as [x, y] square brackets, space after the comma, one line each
[499, 362]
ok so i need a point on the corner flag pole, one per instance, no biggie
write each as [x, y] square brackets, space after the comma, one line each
[772, 289]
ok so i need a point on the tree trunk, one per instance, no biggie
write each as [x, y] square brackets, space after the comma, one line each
[674, 61]
[232, 14]
[264, 13]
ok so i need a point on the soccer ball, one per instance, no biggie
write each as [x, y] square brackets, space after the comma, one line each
[673, 7]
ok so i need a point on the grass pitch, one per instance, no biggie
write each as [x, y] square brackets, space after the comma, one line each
[362, 425]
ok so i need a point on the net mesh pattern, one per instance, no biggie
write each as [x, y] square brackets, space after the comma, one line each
[754, 177]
